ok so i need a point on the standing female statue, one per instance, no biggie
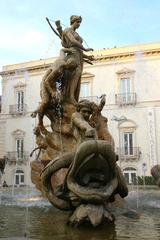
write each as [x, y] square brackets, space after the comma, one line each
[71, 40]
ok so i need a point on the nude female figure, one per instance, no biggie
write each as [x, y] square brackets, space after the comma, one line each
[72, 40]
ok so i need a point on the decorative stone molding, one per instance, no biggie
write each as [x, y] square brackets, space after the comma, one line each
[129, 124]
[29, 69]
[125, 71]
[19, 85]
[87, 75]
[126, 55]
[18, 133]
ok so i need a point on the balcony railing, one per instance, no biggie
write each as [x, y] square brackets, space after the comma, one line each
[128, 153]
[17, 157]
[18, 109]
[123, 99]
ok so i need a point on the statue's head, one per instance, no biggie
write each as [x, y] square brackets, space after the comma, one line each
[85, 108]
[75, 18]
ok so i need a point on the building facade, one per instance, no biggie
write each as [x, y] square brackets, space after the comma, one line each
[130, 78]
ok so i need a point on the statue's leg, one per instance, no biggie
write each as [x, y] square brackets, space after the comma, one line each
[73, 86]
[44, 104]
[77, 90]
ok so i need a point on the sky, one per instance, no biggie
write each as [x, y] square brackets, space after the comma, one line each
[26, 35]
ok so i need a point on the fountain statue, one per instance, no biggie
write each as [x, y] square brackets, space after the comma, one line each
[76, 165]
[155, 171]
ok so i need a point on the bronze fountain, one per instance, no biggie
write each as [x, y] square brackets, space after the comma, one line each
[76, 166]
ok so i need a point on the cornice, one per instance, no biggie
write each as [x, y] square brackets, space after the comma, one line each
[130, 53]
[22, 70]
[127, 56]
[125, 71]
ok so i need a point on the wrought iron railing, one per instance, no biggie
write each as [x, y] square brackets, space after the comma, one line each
[125, 99]
[19, 157]
[17, 109]
[125, 153]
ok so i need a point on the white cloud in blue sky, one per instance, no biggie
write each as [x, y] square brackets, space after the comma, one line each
[25, 34]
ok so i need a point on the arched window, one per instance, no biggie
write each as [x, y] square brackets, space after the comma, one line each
[130, 175]
[19, 178]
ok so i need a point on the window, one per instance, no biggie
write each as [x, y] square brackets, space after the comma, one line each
[128, 143]
[85, 90]
[20, 101]
[128, 149]
[18, 107]
[125, 94]
[19, 178]
[130, 175]
[18, 139]
[19, 149]
[125, 89]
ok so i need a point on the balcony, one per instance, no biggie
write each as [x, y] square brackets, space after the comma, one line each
[17, 157]
[124, 99]
[130, 153]
[18, 109]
